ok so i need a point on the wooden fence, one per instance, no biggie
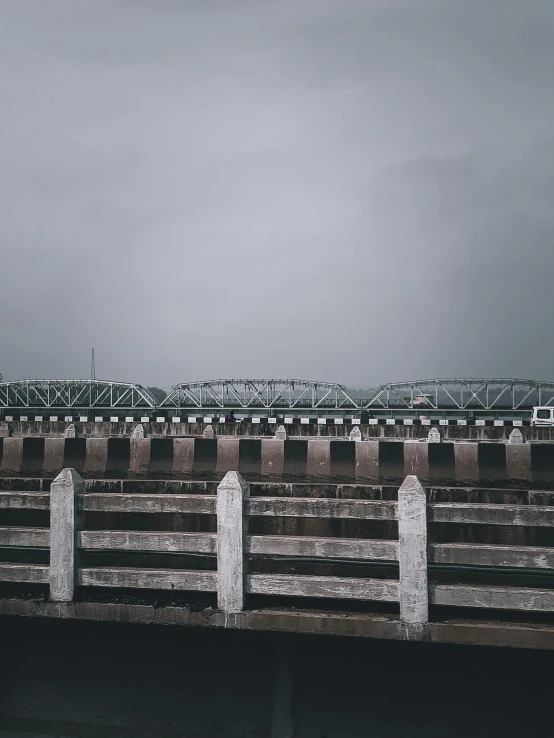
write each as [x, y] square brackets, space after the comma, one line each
[234, 547]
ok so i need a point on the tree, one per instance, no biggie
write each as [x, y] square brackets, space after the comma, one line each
[158, 394]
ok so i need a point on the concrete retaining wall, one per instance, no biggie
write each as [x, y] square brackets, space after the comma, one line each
[294, 459]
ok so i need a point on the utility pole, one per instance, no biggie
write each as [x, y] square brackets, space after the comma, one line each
[92, 367]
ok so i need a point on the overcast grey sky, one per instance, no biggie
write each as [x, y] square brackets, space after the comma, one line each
[347, 190]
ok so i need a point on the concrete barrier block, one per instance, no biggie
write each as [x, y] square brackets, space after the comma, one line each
[54, 449]
[273, 457]
[183, 455]
[138, 431]
[70, 431]
[518, 461]
[139, 456]
[227, 454]
[319, 458]
[4, 430]
[466, 462]
[12, 455]
[434, 436]
[367, 460]
[416, 459]
[208, 432]
[96, 461]
[516, 437]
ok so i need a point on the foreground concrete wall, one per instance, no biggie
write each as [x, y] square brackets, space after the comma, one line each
[453, 432]
[145, 681]
[293, 459]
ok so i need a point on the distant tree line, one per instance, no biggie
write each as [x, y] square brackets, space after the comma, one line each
[158, 394]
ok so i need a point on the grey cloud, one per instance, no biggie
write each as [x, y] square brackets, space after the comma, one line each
[349, 191]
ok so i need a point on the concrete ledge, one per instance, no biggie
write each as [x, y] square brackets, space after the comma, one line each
[366, 625]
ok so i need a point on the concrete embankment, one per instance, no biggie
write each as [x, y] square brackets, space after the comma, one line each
[292, 459]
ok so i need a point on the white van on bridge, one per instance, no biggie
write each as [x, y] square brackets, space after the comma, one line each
[542, 416]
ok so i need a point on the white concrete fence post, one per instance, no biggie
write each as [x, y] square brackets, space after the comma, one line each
[232, 526]
[66, 493]
[412, 535]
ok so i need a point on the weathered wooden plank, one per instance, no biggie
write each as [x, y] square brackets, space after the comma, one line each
[26, 500]
[496, 598]
[148, 503]
[527, 557]
[322, 508]
[35, 573]
[130, 540]
[459, 512]
[385, 590]
[178, 579]
[29, 537]
[330, 548]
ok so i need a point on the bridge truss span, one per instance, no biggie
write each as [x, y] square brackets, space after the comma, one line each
[266, 394]
[464, 394]
[73, 393]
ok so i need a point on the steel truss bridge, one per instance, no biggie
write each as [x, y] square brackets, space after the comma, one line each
[274, 395]
[463, 394]
[54, 394]
[260, 394]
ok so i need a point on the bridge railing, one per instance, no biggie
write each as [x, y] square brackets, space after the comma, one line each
[233, 546]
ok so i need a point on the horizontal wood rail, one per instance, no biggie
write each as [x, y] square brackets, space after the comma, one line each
[29, 573]
[335, 587]
[322, 508]
[176, 579]
[141, 503]
[25, 500]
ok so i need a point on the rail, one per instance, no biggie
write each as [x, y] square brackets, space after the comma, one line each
[234, 547]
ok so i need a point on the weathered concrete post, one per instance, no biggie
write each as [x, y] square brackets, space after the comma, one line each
[232, 524]
[281, 433]
[412, 535]
[356, 434]
[434, 436]
[66, 494]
